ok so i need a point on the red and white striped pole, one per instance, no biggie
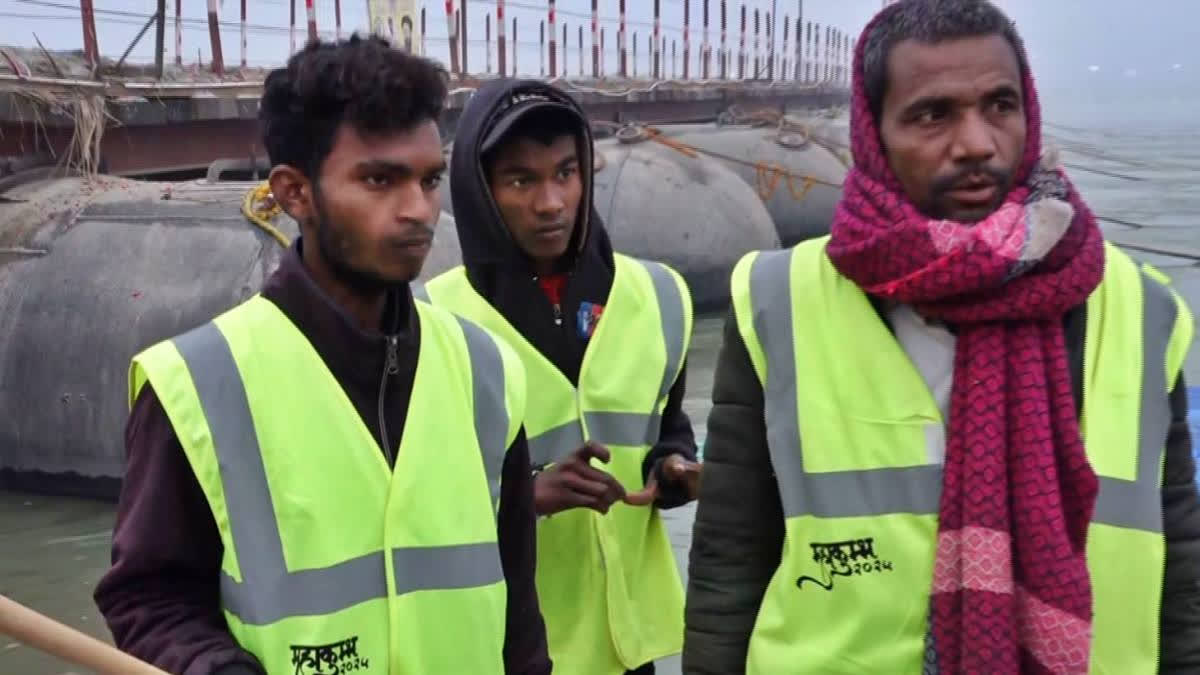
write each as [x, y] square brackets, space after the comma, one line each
[337, 18]
[622, 48]
[816, 53]
[542, 48]
[808, 53]
[686, 45]
[850, 60]
[553, 42]
[501, 54]
[657, 41]
[705, 61]
[723, 56]
[595, 40]
[91, 48]
[179, 32]
[634, 55]
[292, 29]
[799, 42]
[463, 39]
[772, 36]
[452, 34]
[828, 52]
[214, 34]
[565, 49]
[580, 47]
[603, 66]
[311, 9]
[837, 56]
[769, 44]
[783, 53]
[832, 48]
[487, 41]
[742, 47]
[245, 43]
[757, 26]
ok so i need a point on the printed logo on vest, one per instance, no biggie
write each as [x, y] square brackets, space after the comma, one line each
[845, 559]
[588, 317]
[331, 659]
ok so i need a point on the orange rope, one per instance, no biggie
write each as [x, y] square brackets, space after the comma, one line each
[767, 180]
[767, 175]
[683, 148]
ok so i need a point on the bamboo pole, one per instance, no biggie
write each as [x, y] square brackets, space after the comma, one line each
[47, 635]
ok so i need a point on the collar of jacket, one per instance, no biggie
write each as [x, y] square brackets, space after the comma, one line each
[355, 357]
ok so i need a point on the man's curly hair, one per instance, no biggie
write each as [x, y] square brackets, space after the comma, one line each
[363, 81]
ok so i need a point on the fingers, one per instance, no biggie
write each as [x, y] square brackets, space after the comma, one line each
[585, 486]
[593, 475]
[676, 467]
[643, 497]
[579, 464]
[593, 449]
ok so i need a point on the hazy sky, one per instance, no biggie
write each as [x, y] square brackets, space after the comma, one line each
[1132, 43]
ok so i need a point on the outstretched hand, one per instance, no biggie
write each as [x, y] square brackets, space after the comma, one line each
[575, 483]
[675, 469]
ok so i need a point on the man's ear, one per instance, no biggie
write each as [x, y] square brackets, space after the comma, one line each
[293, 192]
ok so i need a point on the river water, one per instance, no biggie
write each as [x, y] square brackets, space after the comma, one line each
[55, 549]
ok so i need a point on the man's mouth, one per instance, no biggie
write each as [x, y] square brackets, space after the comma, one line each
[975, 192]
[415, 242]
[550, 231]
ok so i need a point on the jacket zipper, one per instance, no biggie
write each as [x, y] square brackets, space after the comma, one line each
[391, 366]
[556, 307]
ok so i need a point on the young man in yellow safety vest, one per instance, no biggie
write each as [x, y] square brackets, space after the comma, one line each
[331, 477]
[951, 437]
[603, 338]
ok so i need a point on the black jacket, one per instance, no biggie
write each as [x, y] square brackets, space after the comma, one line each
[738, 534]
[502, 273]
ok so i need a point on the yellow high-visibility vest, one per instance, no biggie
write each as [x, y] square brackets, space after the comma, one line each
[852, 429]
[334, 561]
[609, 590]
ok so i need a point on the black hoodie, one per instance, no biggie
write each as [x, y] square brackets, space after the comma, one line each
[503, 274]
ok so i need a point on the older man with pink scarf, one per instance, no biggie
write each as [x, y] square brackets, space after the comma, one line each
[951, 437]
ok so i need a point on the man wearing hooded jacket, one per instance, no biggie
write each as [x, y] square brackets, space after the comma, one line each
[603, 338]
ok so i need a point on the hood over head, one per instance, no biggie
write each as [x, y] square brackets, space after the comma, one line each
[488, 115]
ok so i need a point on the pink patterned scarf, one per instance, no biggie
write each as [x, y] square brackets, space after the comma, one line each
[1011, 592]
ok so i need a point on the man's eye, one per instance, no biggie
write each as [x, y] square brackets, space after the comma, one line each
[566, 173]
[377, 180]
[432, 182]
[1005, 105]
[930, 116]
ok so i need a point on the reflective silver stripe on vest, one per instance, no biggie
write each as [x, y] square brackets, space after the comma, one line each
[555, 443]
[1131, 504]
[625, 428]
[670, 307]
[268, 592]
[1137, 504]
[607, 428]
[446, 567]
[491, 409]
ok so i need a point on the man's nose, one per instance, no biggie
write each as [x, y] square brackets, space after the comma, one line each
[419, 206]
[549, 201]
[974, 140]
